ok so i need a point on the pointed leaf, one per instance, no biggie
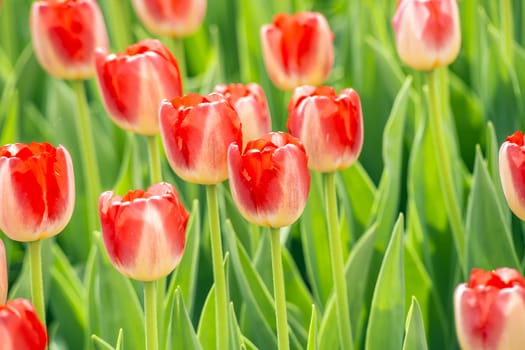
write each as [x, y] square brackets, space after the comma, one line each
[415, 338]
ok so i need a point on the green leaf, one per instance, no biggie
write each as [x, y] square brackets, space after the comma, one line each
[385, 326]
[415, 338]
[182, 333]
[312, 331]
[206, 329]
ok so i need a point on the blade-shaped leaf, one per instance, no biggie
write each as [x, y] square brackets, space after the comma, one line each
[415, 338]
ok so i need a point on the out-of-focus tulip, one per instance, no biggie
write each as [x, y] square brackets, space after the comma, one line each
[490, 310]
[65, 34]
[329, 126]
[298, 49]
[174, 18]
[134, 82]
[20, 328]
[3, 274]
[269, 181]
[512, 172]
[37, 188]
[427, 32]
[196, 132]
[144, 232]
[250, 103]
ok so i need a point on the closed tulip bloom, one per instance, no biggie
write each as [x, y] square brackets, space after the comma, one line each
[269, 181]
[298, 49]
[145, 231]
[20, 328]
[249, 101]
[37, 188]
[176, 18]
[196, 132]
[512, 172]
[134, 82]
[428, 33]
[490, 310]
[329, 126]
[65, 34]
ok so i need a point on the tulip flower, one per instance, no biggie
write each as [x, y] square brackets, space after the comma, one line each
[134, 82]
[512, 172]
[427, 32]
[20, 328]
[37, 188]
[144, 231]
[490, 310]
[196, 132]
[298, 49]
[65, 34]
[249, 101]
[171, 17]
[329, 126]
[269, 181]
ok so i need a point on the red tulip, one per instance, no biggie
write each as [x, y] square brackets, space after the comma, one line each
[512, 172]
[428, 34]
[490, 310]
[249, 101]
[20, 328]
[329, 126]
[65, 34]
[269, 181]
[196, 132]
[144, 231]
[38, 190]
[298, 49]
[171, 17]
[133, 84]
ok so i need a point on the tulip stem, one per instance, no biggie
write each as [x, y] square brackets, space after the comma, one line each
[154, 160]
[37, 284]
[507, 30]
[278, 290]
[178, 48]
[444, 166]
[221, 303]
[337, 261]
[150, 315]
[89, 160]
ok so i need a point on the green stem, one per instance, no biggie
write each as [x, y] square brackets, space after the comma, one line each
[150, 315]
[443, 164]
[221, 303]
[87, 151]
[278, 290]
[37, 284]
[178, 50]
[154, 159]
[507, 29]
[119, 24]
[336, 255]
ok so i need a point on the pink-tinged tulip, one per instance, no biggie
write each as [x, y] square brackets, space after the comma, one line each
[144, 232]
[250, 103]
[65, 34]
[329, 126]
[298, 49]
[174, 18]
[512, 172]
[20, 328]
[269, 181]
[490, 310]
[3, 274]
[37, 188]
[196, 132]
[427, 32]
[134, 82]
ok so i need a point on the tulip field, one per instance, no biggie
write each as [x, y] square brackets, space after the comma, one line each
[280, 174]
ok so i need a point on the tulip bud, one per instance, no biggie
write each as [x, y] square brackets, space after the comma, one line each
[269, 181]
[512, 172]
[144, 232]
[171, 17]
[249, 101]
[65, 34]
[20, 328]
[298, 49]
[428, 34]
[329, 126]
[133, 84]
[196, 132]
[37, 188]
[490, 310]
